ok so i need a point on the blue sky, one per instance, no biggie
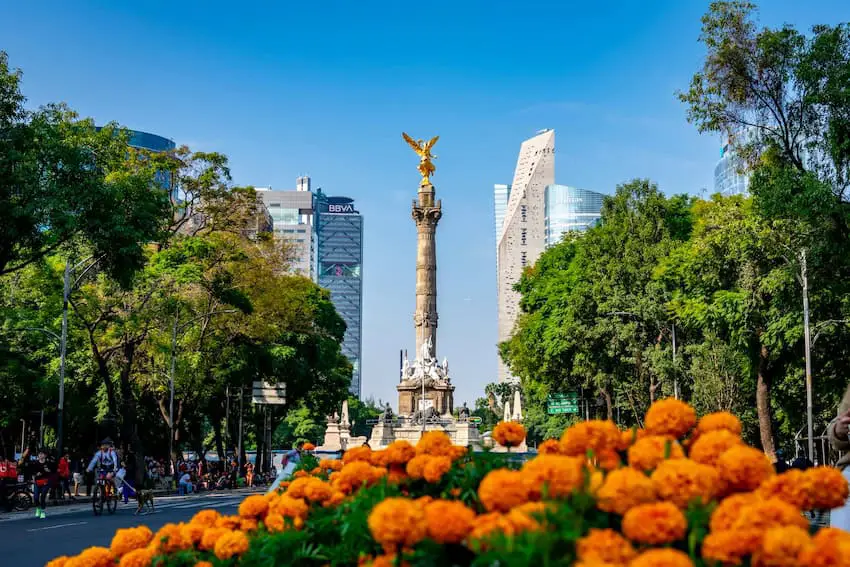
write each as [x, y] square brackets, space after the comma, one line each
[326, 88]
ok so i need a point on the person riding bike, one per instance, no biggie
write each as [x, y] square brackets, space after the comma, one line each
[105, 461]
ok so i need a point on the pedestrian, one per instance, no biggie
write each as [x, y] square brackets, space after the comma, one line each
[41, 470]
[128, 488]
[185, 484]
[64, 471]
[77, 468]
[837, 431]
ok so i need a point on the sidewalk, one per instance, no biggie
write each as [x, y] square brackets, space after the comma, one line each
[83, 503]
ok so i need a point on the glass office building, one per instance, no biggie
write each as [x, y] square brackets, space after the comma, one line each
[729, 178]
[339, 231]
[569, 209]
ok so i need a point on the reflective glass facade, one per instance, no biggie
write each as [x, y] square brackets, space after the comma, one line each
[152, 142]
[340, 259]
[728, 179]
[570, 209]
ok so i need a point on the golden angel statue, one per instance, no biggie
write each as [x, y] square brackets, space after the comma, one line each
[423, 149]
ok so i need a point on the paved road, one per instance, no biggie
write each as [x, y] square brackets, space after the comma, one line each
[26, 541]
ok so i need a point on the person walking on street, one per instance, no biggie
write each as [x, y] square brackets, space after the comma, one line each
[129, 486]
[64, 470]
[41, 470]
[837, 432]
[77, 468]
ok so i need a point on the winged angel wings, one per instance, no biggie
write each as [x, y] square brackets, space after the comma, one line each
[423, 150]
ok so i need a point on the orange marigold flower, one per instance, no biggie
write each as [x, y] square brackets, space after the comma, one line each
[743, 469]
[521, 521]
[456, 452]
[486, 525]
[830, 547]
[138, 558]
[317, 491]
[378, 458]
[92, 557]
[290, 507]
[436, 468]
[229, 522]
[297, 486]
[353, 476]
[549, 447]
[670, 417]
[211, 536]
[397, 522]
[231, 544]
[502, 489]
[396, 474]
[556, 476]
[253, 506]
[655, 524]
[171, 539]
[193, 532]
[629, 437]
[203, 564]
[308, 447]
[300, 474]
[249, 525]
[336, 498]
[608, 460]
[624, 489]
[274, 522]
[330, 464]
[399, 452]
[435, 443]
[356, 454]
[662, 558]
[709, 446]
[448, 521]
[206, 517]
[416, 466]
[646, 453]
[58, 562]
[773, 512]
[316, 471]
[728, 510]
[722, 420]
[605, 545]
[827, 488]
[509, 433]
[729, 547]
[126, 540]
[388, 560]
[592, 435]
[789, 486]
[781, 547]
[682, 481]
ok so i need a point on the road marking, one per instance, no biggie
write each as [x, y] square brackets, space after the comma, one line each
[203, 504]
[57, 526]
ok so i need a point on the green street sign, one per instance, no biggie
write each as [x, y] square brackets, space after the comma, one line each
[562, 403]
[475, 420]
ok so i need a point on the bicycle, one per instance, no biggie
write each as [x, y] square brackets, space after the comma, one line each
[104, 492]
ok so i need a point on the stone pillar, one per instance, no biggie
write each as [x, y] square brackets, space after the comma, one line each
[426, 214]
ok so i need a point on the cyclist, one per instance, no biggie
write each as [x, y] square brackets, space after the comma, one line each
[105, 461]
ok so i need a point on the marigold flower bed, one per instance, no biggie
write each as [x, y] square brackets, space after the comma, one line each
[681, 493]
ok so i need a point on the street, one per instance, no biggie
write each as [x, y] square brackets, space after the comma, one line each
[26, 541]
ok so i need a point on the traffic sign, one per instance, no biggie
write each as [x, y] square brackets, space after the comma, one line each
[274, 394]
[562, 403]
[475, 420]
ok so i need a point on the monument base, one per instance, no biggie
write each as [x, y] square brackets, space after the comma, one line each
[521, 448]
[461, 433]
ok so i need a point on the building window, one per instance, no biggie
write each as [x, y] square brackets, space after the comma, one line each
[523, 259]
[522, 210]
[523, 234]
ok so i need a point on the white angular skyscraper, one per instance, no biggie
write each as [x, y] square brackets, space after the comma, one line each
[522, 237]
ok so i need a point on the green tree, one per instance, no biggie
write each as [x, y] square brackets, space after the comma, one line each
[62, 180]
[593, 316]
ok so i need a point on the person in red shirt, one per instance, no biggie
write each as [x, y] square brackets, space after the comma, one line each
[64, 470]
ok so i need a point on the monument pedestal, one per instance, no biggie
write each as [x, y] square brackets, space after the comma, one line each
[382, 435]
[333, 441]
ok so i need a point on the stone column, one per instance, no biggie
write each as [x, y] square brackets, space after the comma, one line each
[426, 214]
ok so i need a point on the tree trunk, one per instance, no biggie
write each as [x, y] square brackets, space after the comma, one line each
[763, 385]
[608, 405]
[129, 422]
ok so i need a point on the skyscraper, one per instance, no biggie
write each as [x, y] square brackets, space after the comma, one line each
[730, 175]
[570, 209]
[522, 235]
[340, 259]
[501, 194]
[293, 219]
